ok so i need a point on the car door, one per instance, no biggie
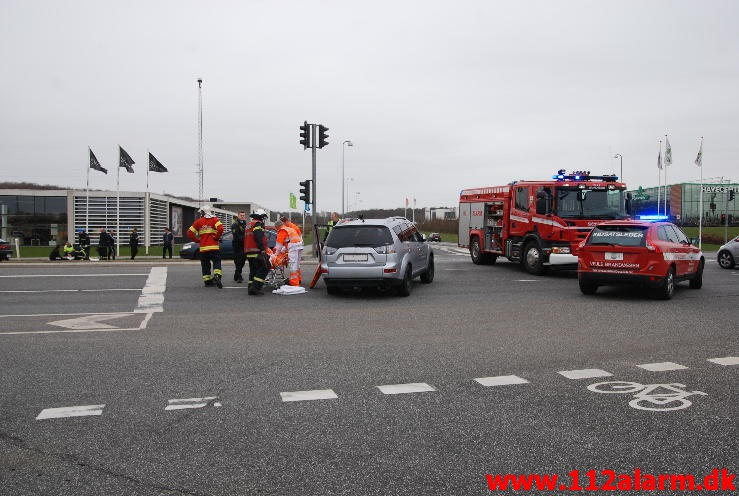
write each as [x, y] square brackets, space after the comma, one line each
[520, 212]
[673, 250]
[689, 254]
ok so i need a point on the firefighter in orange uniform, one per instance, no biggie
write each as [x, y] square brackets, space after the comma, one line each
[290, 241]
[207, 231]
[256, 247]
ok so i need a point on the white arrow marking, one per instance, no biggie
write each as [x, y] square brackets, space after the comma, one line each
[88, 322]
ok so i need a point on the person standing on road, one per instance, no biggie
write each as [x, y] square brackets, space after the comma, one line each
[207, 231]
[286, 220]
[167, 240]
[84, 242]
[104, 244]
[255, 247]
[112, 248]
[288, 240]
[238, 230]
[133, 243]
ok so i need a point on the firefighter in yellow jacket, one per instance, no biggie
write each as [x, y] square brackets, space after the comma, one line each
[207, 231]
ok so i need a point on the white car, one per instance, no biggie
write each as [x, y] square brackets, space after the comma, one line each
[728, 254]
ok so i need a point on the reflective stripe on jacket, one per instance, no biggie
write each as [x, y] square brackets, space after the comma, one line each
[206, 231]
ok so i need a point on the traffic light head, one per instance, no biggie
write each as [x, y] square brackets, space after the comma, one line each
[322, 136]
[731, 194]
[305, 135]
[305, 191]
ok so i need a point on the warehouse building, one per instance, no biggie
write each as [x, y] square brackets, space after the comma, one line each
[683, 203]
[40, 217]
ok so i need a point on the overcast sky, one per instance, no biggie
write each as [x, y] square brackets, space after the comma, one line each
[436, 96]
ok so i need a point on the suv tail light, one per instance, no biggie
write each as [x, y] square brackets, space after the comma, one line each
[384, 249]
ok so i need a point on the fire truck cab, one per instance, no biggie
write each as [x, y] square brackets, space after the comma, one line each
[538, 223]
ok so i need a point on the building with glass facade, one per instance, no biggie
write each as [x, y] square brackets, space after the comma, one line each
[684, 203]
[48, 217]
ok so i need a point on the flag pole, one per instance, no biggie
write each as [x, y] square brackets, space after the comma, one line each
[659, 177]
[147, 219]
[667, 165]
[700, 217]
[87, 198]
[118, 206]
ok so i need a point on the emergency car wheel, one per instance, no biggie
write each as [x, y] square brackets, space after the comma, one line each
[666, 290]
[533, 259]
[588, 288]
[697, 281]
[725, 260]
[407, 285]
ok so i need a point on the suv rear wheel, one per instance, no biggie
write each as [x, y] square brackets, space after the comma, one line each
[667, 289]
[725, 260]
[533, 259]
[428, 276]
[406, 286]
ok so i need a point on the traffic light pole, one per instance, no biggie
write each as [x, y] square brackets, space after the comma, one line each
[313, 187]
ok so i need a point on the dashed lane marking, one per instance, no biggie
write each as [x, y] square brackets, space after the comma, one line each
[413, 387]
[662, 366]
[315, 394]
[70, 411]
[501, 380]
[730, 360]
[185, 403]
[75, 275]
[584, 373]
[527, 280]
[152, 296]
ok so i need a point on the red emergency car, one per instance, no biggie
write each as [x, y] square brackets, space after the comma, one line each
[657, 255]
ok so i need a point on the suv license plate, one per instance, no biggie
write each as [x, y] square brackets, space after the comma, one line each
[614, 256]
[355, 258]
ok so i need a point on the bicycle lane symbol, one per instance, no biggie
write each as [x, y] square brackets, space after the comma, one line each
[652, 397]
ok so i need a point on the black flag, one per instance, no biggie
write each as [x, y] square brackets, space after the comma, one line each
[94, 164]
[126, 160]
[155, 165]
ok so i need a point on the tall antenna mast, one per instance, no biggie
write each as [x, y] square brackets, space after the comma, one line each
[200, 141]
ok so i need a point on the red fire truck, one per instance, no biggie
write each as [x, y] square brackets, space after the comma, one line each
[538, 223]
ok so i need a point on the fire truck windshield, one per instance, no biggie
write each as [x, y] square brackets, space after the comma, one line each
[579, 203]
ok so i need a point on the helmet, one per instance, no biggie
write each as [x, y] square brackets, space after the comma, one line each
[206, 209]
[259, 213]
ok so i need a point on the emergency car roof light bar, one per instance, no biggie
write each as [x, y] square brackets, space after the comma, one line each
[561, 175]
[653, 217]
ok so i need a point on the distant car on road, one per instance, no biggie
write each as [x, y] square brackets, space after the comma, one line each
[435, 237]
[728, 254]
[380, 253]
[5, 251]
[191, 250]
[653, 254]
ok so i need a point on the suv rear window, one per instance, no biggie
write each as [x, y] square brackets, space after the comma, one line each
[371, 236]
[618, 235]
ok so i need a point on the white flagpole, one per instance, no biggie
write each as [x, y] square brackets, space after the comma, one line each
[87, 199]
[659, 177]
[118, 207]
[147, 218]
[700, 218]
[666, 166]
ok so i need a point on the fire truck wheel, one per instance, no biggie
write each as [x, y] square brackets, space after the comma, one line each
[697, 281]
[407, 285]
[478, 257]
[588, 288]
[665, 291]
[428, 276]
[533, 259]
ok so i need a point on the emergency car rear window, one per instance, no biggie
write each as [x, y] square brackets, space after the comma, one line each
[618, 235]
[349, 236]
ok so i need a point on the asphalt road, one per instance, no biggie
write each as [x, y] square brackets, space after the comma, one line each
[240, 353]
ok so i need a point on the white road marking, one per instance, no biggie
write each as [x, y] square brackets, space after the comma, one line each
[152, 296]
[662, 366]
[413, 387]
[67, 290]
[185, 403]
[501, 380]
[730, 360]
[70, 411]
[315, 394]
[527, 280]
[88, 322]
[141, 327]
[74, 275]
[584, 373]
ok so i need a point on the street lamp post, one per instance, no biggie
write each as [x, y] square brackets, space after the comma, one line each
[343, 149]
[346, 184]
[621, 159]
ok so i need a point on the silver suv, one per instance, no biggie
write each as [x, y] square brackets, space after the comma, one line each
[382, 253]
